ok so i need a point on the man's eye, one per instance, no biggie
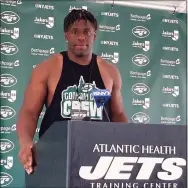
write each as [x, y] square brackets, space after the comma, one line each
[74, 32]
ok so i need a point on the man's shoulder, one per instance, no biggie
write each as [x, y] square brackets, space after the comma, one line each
[50, 61]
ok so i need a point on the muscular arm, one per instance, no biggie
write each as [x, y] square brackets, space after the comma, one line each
[118, 113]
[32, 105]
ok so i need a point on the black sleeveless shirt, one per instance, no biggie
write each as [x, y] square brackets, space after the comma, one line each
[75, 79]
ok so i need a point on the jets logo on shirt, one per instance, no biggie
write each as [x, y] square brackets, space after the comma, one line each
[80, 97]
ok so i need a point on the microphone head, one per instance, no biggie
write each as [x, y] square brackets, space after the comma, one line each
[100, 96]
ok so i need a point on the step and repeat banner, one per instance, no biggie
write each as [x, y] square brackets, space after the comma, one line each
[147, 46]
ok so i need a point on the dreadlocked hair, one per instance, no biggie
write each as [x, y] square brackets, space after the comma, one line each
[76, 15]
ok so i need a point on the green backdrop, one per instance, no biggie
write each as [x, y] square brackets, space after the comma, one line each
[147, 46]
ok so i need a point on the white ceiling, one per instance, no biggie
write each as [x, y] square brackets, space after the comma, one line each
[180, 6]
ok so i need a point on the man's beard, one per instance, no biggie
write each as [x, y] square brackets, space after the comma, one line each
[81, 54]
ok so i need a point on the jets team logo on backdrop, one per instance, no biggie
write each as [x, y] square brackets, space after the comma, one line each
[140, 117]
[8, 48]
[11, 2]
[80, 97]
[77, 8]
[174, 35]
[6, 112]
[49, 22]
[9, 17]
[7, 80]
[7, 163]
[140, 32]
[114, 58]
[6, 179]
[6, 145]
[145, 46]
[13, 33]
[140, 60]
[10, 96]
[140, 89]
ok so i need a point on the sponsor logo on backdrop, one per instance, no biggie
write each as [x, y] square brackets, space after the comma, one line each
[6, 112]
[169, 105]
[175, 91]
[169, 63]
[6, 179]
[10, 2]
[8, 129]
[140, 89]
[140, 60]
[47, 7]
[145, 46]
[174, 35]
[140, 32]
[77, 8]
[10, 96]
[9, 64]
[136, 74]
[49, 22]
[6, 145]
[141, 18]
[9, 17]
[7, 162]
[170, 120]
[44, 37]
[110, 14]
[7, 80]
[42, 52]
[170, 77]
[14, 33]
[145, 103]
[140, 117]
[107, 28]
[114, 58]
[170, 48]
[8, 48]
[110, 43]
[171, 21]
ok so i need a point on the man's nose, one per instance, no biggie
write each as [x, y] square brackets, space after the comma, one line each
[81, 36]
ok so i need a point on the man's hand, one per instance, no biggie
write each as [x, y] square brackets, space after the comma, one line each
[26, 157]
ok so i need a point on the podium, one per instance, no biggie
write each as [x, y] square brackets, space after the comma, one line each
[84, 154]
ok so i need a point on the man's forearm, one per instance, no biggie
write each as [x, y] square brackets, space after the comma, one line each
[119, 117]
[26, 127]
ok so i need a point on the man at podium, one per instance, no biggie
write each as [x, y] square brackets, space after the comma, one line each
[65, 82]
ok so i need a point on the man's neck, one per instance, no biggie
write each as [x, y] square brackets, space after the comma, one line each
[85, 60]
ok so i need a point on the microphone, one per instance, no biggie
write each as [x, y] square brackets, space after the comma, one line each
[101, 96]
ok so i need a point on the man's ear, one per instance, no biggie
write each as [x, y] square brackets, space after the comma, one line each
[95, 35]
[66, 36]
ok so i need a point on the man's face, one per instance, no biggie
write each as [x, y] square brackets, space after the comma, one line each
[80, 36]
